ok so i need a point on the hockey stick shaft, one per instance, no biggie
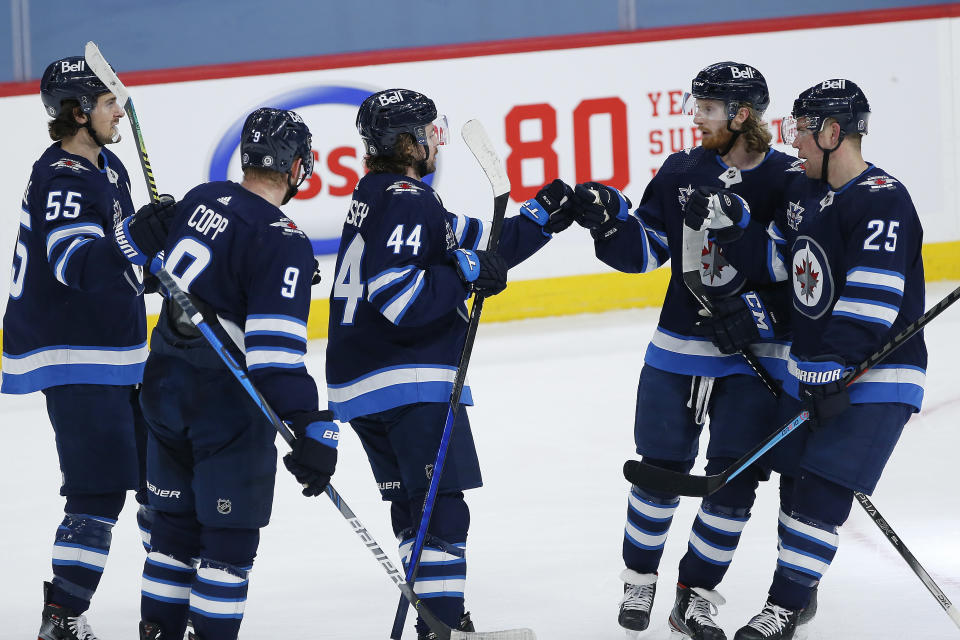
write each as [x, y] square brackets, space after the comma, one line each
[481, 146]
[443, 631]
[691, 276]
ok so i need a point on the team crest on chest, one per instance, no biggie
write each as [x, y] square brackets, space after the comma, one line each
[878, 183]
[794, 215]
[812, 282]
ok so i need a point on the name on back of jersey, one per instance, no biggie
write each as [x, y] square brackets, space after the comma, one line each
[207, 221]
[357, 213]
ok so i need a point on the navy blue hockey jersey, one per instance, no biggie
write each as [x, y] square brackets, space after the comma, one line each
[653, 234]
[398, 317]
[75, 313]
[253, 267]
[853, 259]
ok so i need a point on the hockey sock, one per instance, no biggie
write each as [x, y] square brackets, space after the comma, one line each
[442, 574]
[81, 546]
[812, 508]
[79, 556]
[649, 516]
[165, 592]
[144, 524]
[217, 600]
[717, 528]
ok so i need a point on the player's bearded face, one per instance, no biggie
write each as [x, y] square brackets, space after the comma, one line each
[710, 116]
[105, 119]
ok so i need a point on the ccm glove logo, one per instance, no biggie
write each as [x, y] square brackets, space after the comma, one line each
[759, 312]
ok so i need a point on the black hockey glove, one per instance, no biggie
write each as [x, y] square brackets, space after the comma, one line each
[141, 236]
[317, 278]
[722, 211]
[823, 387]
[599, 208]
[739, 321]
[484, 272]
[550, 208]
[314, 455]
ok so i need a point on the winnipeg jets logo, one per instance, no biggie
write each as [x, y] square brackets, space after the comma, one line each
[112, 176]
[812, 283]
[117, 211]
[403, 186]
[878, 183]
[796, 166]
[731, 177]
[66, 163]
[715, 271]
[794, 215]
[684, 194]
[827, 200]
[288, 227]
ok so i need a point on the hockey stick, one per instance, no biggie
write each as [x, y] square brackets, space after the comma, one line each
[479, 143]
[692, 251]
[99, 65]
[646, 475]
[443, 631]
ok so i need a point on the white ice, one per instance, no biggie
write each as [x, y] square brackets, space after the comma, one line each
[553, 425]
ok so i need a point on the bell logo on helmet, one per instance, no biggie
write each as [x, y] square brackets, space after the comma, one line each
[833, 84]
[746, 72]
[66, 66]
[394, 97]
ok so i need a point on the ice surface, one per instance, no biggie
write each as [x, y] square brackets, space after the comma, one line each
[553, 425]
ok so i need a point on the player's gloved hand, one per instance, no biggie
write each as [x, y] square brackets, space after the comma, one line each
[722, 211]
[738, 321]
[314, 455]
[317, 278]
[141, 236]
[484, 272]
[550, 208]
[599, 208]
[823, 388]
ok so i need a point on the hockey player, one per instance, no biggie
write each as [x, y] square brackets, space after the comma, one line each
[686, 379]
[75, 328]
[850, 238]
[398, 321]
[211, 458]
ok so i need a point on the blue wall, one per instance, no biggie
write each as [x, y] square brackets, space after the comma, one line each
[179, 33]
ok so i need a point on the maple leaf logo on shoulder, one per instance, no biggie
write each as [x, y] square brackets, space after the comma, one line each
[877, 183]
[288, 227]
[402, 186]
[684, 194]
[67, 163]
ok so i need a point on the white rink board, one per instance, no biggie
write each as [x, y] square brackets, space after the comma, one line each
[914, 96]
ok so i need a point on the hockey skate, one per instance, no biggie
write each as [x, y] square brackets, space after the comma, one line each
[638, 592]
[465, 625]
[60, 623]
[772, 623]
[693, 612]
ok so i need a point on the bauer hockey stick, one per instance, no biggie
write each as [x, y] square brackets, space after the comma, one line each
[479, 143]
[655, 478]
[442, 630]
[692, 251]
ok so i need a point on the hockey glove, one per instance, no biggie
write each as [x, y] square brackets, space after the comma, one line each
[314, 455]
[550, 208]
[823, 387]
[141, 236]
[599, 208]
[722, 211]
[484, 272]
[739, 321]
[317, 277]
